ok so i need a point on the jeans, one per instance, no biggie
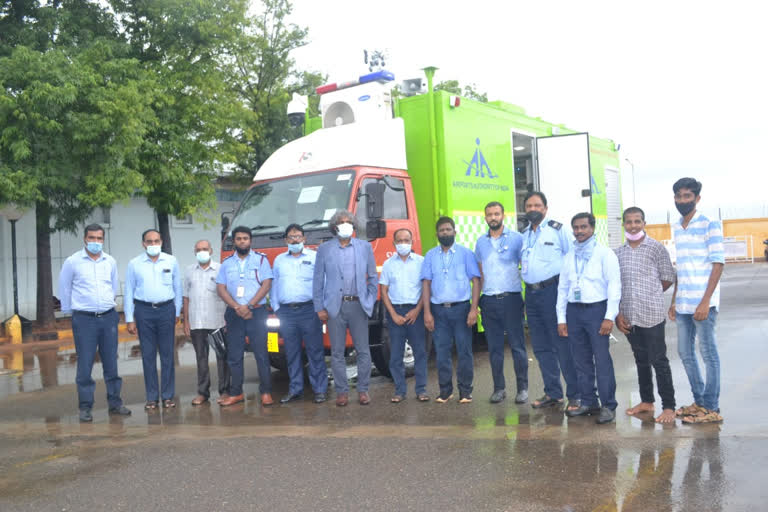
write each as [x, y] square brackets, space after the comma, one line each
[705, 394]
[591, 353]
[200, 342]
[552, 351]
[297, 324]
[256, 330]
[352, 316]
[91, 334]
[416, 336]
[156, 334]
[504, 315]
[451, 325]
[650, 351]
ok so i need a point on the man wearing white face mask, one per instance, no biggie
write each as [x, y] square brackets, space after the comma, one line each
[203, 314]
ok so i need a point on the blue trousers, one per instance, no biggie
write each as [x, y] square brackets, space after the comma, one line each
[92, 334]
[416, 336]
[450, 326]
[590, 353]
[552, 351]
[156, 334]
[297, 324]
[256, 330]
[706, 394]
[504, 315]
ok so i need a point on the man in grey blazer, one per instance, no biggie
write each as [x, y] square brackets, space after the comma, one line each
[344, 292]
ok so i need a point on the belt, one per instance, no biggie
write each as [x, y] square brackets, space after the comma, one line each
[452, 304]
[404, 305]
[587, 304]
[350, 298]
[152, 304]
[94, 313]
[502, 295]
[543, 284]
[296, 304]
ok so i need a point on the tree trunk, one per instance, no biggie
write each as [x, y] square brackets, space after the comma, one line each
[163, 223]
[45, 316]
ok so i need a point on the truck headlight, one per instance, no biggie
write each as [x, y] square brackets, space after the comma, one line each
[273, 323]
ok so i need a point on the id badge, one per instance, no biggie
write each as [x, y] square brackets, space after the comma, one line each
[240, 292]
[577, 294]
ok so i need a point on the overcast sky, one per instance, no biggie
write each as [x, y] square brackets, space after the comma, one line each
[680, 85]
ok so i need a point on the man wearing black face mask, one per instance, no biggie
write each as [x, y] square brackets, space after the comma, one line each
[545, 243]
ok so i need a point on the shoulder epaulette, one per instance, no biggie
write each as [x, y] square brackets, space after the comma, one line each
[554, 224]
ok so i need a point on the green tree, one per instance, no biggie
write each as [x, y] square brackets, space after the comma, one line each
[469, 91]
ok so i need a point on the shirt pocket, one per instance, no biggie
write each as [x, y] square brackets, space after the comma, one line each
[166, 276]
[306, 272]
[210, 284]
[459, 272]
[547, 251]
[252, 274]
[103, 274]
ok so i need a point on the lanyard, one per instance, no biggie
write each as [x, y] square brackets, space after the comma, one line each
[579, 271]
[442, 260]
[241, 262]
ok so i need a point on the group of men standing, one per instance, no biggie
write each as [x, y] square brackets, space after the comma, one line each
[574, 292]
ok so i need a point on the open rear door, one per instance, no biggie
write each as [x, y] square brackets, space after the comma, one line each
[564, 175]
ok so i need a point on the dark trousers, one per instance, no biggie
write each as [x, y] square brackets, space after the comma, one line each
[352, 316]
[650, 351]
[91, 334]
[552, 351]
[451, 325]
[256, 330]
[416, 336]
[504, 316]
[297, 324]
[590, 353]
[200, 342]
[156, 334]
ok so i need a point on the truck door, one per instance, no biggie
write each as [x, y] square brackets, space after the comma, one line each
[564, 174]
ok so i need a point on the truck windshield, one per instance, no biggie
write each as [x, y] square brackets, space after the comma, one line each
[308, 200]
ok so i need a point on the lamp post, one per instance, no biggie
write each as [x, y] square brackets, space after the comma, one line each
[13, 213]
[634, 199]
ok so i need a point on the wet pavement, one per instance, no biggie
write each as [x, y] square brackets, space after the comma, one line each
[409, 456]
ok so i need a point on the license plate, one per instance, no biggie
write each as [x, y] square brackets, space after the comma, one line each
[272, 342]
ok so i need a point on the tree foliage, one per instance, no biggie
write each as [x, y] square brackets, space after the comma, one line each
[469, 91]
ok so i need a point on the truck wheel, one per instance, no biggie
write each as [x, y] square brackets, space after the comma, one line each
[280, 363]
[381, 353]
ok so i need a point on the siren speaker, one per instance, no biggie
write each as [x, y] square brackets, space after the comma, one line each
[337, 114]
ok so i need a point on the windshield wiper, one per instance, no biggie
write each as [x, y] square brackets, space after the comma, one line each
[260, 227]
[314, 221]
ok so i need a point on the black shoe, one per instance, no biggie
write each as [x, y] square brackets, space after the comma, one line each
[291, 398]
[546, 401]
[85, 416]
[583, 410]
[120, 410]
[320, 398]
[498, 396]
[606, 416]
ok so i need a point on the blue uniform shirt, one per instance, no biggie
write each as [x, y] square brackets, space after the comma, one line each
[500, 259]
[88, 285]
[450, 273]
[292, 281]
[543, 250]
[598, 279]
[152, 281]
[249, 273]
[403, 278]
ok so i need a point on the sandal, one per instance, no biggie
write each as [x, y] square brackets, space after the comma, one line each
[151, 405]
[689, 410]
[704, 416]
[167, 404]
[397, 399]
[423, 397]
[573, 405]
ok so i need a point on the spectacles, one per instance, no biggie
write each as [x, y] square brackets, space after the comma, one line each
[294, 238]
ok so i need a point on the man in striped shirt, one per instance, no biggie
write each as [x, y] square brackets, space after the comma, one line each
[696, 300]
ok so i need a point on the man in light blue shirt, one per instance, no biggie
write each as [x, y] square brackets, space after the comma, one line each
[291, 298]
[243, 283]
[498, 255]
[88, 283]
[450, 275]
[401, 295]
[588, 299]
[153, 298]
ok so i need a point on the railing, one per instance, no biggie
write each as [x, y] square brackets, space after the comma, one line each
[738, 249]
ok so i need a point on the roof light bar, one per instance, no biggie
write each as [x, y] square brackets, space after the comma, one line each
[379, 76]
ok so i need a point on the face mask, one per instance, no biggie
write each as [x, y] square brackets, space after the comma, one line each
[403, 249]
[94, 247]
[534, 217]
[446, 241]
[203, 257]
[345, 230]
[634, 238]
[153, 250]
[685, 208]
[244, 251]
[294, 248]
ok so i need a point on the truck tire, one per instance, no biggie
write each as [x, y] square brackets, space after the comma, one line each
[380, 354]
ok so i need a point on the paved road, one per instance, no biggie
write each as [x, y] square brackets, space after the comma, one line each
[410, 456]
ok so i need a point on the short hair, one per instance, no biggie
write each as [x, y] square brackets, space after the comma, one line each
[535, 193]
[291, 227]
[632, 209]
[94, 227]
[204, 240]
[394, 235]
[584, 215]
[241, 229]
[144, 234]
[494, 203]
[341, 214]
[444, 220]
[687, 183]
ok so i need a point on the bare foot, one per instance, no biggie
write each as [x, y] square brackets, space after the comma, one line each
[666, 416]
[641, 407]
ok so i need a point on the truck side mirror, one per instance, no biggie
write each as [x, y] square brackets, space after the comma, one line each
[224, 222]
[376, 228]
[374, 200]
